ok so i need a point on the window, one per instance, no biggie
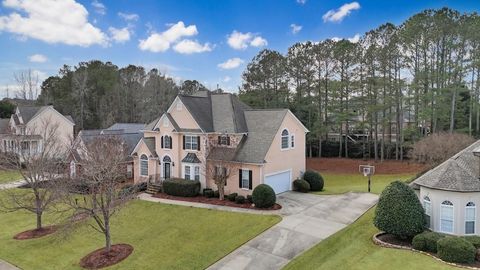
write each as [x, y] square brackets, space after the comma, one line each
[446, 217]
[144, 165]
[187, 172]
[285, 143]
[470, 218]
[129, 171]
[167, 142]
[191, 142]
[292, 141]
[245, 179]
[223, 140]
[73, 169]
[197, 173]
[427, 205]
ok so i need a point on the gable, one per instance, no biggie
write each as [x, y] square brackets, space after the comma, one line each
[182, 116]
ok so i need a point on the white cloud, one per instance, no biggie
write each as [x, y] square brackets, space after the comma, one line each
[340, 13]
[301, 2]
[129, 16]
[353, 39]
[231, 63]
[119, 35]
[259, 42]
[52, 22]
[99, 7]
[241, 41]
[160, 42]
[38, 58]
[188, 46]
[227, 79]
[295, 28]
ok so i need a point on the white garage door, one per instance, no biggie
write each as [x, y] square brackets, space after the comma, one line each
[280, 182]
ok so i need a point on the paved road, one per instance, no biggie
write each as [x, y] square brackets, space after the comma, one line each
[307, 220]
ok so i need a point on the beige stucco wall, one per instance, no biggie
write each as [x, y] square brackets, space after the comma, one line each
[233, 181]
[153, 167]
[183, 118]
[49, 118]
[459, 200]
[278, 160]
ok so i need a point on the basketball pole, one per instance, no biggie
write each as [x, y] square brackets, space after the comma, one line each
[368, 183]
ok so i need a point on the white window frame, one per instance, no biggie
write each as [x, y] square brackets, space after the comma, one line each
[447, 206]
[192, 139]
[223, 140]
[288, 140]
[427, 205]
[165, 138]
[469, 207]
[196, 173]
[185, 172]
[292, 141]
[73, 169]
[142, 161]
[246, 176]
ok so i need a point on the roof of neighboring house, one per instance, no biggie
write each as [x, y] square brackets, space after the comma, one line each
[29, 112]
[191, 158]
[4, 123]
[127, 127]
[459, 173]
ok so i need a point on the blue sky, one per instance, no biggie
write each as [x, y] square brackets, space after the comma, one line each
[210, 41]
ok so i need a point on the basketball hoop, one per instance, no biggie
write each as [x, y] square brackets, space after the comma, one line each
[367, 171]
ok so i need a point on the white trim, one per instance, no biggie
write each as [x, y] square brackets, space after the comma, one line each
[162, 164]
[453, 217]
[281, 139]
[140, 165]
[474, 207]
[192, 170]
[191, 115]
[245, 169]
[280, 172]
[138, 144]
[300, 122]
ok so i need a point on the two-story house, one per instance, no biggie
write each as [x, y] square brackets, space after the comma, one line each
[268, 146]
[26, 129]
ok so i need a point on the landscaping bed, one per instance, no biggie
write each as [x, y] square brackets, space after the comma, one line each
[35, 233]
[390, 241]
[100, 258]
[215, 201]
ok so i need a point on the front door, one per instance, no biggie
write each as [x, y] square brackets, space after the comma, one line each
[166, 170]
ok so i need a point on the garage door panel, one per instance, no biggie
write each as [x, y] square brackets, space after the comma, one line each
[280, 182]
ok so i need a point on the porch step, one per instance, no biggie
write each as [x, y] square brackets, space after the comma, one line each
[153, 188]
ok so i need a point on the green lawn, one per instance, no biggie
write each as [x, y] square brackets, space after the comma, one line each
[9, 176]
[352, 248]
[342, 183]
[163, 237]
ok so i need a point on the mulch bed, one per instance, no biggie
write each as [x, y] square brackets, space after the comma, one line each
[215, 201]
[389, 241]
[100, 258]
[347, 165]
[36, 233]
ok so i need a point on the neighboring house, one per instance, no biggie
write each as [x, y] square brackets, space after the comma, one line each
[129, 133]
[450, 193]
[24, 131]
[268, 145]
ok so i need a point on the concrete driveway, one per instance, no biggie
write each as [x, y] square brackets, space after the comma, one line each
[307, 220]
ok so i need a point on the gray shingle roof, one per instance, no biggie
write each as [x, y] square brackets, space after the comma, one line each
[130, 139]
[201, 110]
[458, 173]
[191, 158]
[150, 143]
[152, 124]
[4, 123]
[28, 112]
[127, 127]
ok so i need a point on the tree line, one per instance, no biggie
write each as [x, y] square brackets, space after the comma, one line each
[397, 84]
[98, 94]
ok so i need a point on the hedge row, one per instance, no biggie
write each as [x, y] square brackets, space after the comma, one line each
[181, 187]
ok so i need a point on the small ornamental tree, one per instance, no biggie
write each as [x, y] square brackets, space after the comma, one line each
[399, 211]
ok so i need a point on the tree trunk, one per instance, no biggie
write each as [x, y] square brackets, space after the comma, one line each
[108, 240]
[39, 220]
[452, 110]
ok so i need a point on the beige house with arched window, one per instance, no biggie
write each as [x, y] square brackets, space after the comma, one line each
[216, 130]
[450, 193]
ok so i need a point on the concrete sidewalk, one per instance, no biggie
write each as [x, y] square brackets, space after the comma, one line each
[6, 266]
[14, 184]
[307, 220]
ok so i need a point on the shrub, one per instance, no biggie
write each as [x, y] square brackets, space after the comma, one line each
[399, 211]
[216, 194]
[263, 196]
[232, 196]
[250, 198]
[314, 179]
[209, 193]
[456, 250]
[301, 185]
[141, 186]
[427, 241]
[240, 199]
[474, 239]
[181, 187]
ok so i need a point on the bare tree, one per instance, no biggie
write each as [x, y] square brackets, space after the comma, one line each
[27, 81]
[36, 156]
[221, 167]
[101, 174]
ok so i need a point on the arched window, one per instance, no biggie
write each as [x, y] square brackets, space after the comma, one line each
[144, 165]
[470, 216]
[285, 137]
[427, 204]
[446, 217]
[167, 159]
